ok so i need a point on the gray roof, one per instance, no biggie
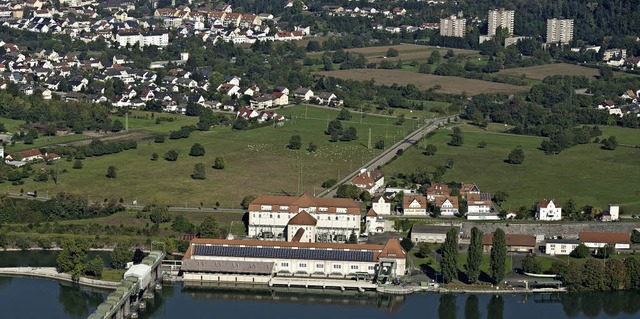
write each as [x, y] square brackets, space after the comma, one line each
[431, 229]
[221, 266]
[562, 241]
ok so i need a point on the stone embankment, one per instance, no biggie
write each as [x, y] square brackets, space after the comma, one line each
[52, 273]
[564, 229]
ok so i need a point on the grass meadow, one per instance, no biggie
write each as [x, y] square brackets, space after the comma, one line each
[585, 173]
[257, 161]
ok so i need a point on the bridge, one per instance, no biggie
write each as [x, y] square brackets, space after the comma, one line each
[139, 281]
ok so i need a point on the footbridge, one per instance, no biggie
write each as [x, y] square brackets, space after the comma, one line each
[139, 281]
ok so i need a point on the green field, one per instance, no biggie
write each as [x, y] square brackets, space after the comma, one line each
[257, 162]
[585, 173]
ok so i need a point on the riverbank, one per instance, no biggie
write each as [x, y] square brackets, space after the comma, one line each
[52, 273]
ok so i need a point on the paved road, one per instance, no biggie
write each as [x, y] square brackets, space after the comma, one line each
[52, 273]
[389, 153]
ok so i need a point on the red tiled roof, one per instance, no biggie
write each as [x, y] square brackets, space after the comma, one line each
[605, 237]
[371, 213]
[512, 240]
[31, 152]
[545, 203]
[452, 199]
[407, 200]
[303, 218]
[293, 204]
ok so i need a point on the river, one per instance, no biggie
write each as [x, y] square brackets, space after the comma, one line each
[41, 298]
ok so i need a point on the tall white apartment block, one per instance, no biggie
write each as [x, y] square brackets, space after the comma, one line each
[559, 30]
[453, 27]
[500, 18]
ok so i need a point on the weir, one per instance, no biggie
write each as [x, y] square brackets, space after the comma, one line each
[139, 281]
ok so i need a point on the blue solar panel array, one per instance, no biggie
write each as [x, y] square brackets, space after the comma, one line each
[283, 253]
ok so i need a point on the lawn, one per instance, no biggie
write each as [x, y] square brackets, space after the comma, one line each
[406, 52]
[428, 262]
[539, 72]
[585, 173]
[257, 162]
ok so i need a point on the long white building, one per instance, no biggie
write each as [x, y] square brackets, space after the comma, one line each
[258, 261]
[142, 38]
[500, 18]
[559, 30]
[303, 218]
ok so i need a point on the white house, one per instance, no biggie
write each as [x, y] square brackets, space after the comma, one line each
[374, 223]
[479, 207]
[448, 206]
[414, 205]
[370, 181]
[560, 246]
[381, 205]
[547, 210]
[303, 93]
[428, 233]
[336, 218]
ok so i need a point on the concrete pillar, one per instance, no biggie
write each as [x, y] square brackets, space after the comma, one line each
[127, 307]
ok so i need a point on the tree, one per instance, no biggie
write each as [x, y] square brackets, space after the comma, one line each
[500, 197]
[430, 149]
[449, 260]
[154, 156]
[77, 164]
[197, 150]
[295, 142]
[406, 244]
[482, 144]
[434, 58]
[516, 156]
[199, 171]
[312, 147]
[606, 73]
[449, 163]
[344, 115]
[159, 138]
[218, 163]
[246, 201]
[138, 256]
[329, 183]
[423, 250]
[121, 255]
[94, 267]
[610, 143]
[240, 124]
[182, 224]
[348, 191]
[498, 261]
[581, 251]
[111, 172]
[391, 52]
[159, 214]
[474, 256]
[209, 228]
[531, 265]
[73, 257]
[353, 238]
[117, 126]
[573, 276]
[616, 273]
[456, 139]
[594, 278]
[635, 236]
[633, 270]
[171, 155]
[379, 144]
[605, 252]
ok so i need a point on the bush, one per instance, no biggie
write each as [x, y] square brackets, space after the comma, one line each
[159, 214]
[197, 150]
[581, 251]
[171, 156]
[23, 243]
[77, 164]
[329, 183]
[159, 139]
[218, 163]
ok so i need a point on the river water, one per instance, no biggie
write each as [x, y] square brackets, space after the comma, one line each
[41, 298]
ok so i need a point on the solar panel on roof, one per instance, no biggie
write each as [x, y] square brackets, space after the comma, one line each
[283, 253]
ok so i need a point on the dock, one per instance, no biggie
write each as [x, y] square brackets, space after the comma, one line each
[322, 283]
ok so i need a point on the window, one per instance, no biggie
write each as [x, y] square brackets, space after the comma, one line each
[354, 267]
[320, 266]
[284, 264]
[302, 265]
[336, 217]
[371, 267]
[337, 266]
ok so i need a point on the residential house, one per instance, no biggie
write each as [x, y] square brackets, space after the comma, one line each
[327, 98]
[467, 189]
[547, 210]
[560, 246]
[303, 93]
[600, 239]
[429, 233]
[229, 89]
[262, 101]
[414, 205]
[612, 214]
[374, 222]
[381, 205]
[515, 243]
[246, 113]
[437, 190]
[479, 207]
[301, 228]
[370, 181]
[281, 99]
[448, 206]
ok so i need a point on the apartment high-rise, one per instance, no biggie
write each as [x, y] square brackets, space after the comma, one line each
[559, 30]
[500, 18]
[453, 27]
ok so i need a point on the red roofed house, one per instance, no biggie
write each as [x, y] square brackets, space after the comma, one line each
[437, 190]
[448, 206]
[547, 210]
[302, 228]
[374, 223]
[27, 156]
[369, 181]
[601, 239]
[381, 205]
[414, 205]
[515, 243]
[270, 217]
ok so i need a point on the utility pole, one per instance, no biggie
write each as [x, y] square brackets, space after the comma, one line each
[126, 121]
[369, 144]
[306, 107]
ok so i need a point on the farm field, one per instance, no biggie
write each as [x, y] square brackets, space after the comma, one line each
[539, 72]
[406, 52]
[257, 162]
[448, 84]
[585, 173]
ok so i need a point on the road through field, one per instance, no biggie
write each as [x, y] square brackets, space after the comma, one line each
[389, 153]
